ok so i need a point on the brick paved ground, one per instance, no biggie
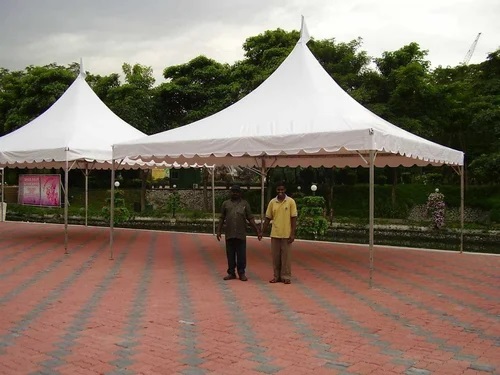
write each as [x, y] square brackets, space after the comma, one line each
[161, 307]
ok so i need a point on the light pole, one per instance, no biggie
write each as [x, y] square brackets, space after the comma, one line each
[174, 199]
[314, 188]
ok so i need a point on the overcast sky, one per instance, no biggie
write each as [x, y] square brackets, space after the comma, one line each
[161, 33]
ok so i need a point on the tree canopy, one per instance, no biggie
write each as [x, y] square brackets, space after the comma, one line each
[456, 106]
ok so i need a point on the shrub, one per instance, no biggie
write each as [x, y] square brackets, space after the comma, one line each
[312, 221]
[173, 202]
[121, 213]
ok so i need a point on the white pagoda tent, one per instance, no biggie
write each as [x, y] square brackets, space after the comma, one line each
[299, 116]
[77, 131]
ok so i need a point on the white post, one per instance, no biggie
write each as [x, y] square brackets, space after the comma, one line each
[86, 191]
[371, 214]
[213, 199]
[112, 209]
[2, 213]
[66, 203]
[262, 188]
[462, 207]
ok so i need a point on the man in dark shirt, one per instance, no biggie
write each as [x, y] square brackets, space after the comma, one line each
[235, 213]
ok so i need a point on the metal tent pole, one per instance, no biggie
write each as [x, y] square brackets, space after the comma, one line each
[112, 209]
[2, 171]
[462, 207]
[213, 199]
[371, 214]
[262, 188]
[86, 192]
[66, 203]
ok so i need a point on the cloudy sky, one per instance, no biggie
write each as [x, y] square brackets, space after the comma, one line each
[161, 33]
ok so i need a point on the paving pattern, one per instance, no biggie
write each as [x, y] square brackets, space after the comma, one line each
[160, 306]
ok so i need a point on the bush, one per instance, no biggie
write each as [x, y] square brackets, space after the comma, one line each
[311, 221]
[121, 213]
[173, 202]
[495, 215]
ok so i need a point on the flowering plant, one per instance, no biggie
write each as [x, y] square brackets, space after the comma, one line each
[436, 207]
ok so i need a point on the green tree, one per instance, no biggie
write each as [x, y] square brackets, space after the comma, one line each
[24, 95]
[412, 101]
[193, 91]
[343, 61]
[485, 169]
[132, 101]
[472, 110]
[102, 85]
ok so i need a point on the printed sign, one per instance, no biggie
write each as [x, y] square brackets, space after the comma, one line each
[40, 190]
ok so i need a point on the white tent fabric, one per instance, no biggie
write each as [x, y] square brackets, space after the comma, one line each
[77, 130]
[78, 126]
[298, 116]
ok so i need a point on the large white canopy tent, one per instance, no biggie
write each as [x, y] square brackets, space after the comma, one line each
[299, 116]
[78, 129]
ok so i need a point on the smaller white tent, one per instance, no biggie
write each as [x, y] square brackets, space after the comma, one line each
[77, 130]
[77, 127]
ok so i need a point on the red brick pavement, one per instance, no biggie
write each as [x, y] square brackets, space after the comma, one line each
[161, 307]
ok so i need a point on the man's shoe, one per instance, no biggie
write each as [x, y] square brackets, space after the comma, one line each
[230, 277]
[243, 278]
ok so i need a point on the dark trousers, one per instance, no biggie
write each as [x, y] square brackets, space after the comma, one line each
[236, 251]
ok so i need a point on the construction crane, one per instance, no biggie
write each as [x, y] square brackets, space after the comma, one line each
[470, 52]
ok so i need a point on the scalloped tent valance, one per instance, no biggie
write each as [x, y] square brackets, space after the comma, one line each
[298, 116]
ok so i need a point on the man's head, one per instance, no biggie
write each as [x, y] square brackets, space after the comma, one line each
[281, 190]
[235, 191]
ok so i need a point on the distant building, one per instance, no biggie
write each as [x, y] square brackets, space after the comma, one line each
[182, 178]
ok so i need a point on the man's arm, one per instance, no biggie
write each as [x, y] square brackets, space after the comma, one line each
[267, 220]
[257, 229]
[293, 220]
[266, 224]
[251, 220]
[219, 229]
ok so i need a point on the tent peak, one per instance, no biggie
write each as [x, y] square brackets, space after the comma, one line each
[304, 33]
[82, 71]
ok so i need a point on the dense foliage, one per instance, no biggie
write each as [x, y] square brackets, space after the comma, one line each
[121, 212]
[456, 106]
[311, 220]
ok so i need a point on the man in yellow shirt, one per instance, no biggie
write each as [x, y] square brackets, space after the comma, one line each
[282, 210]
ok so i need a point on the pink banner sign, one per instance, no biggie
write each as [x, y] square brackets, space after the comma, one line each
[40, 190]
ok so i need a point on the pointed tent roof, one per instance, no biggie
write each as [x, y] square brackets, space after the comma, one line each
[78, 126]
[298, 116]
